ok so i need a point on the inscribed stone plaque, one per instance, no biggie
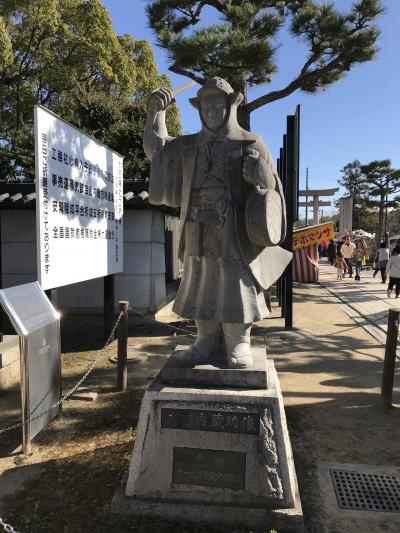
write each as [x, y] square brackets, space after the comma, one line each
[205, 420]
[211, 468]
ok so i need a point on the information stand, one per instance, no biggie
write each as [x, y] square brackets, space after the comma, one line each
[38, 325]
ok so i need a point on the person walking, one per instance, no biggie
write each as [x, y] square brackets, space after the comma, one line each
[360, 252]
[375, 266]
[382, 259]
[340, 266]
[393, 271]
[339, 245]
[347, 251]
[331, 252]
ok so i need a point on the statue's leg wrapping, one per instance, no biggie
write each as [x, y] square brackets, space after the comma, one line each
[237, 342]
[207, 344]
[208, 339]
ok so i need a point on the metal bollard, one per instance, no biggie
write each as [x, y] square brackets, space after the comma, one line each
[122, 367]
[390, 357]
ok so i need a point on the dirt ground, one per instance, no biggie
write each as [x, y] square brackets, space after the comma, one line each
[331, 390]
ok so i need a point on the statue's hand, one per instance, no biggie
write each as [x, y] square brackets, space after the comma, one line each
[249, 166]
[160, 99]
[258, 172]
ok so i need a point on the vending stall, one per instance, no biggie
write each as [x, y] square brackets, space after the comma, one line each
[305, 250]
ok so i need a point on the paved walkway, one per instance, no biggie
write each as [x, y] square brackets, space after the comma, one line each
[367, 298]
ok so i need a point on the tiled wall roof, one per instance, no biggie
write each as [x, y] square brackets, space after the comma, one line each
[22, 195]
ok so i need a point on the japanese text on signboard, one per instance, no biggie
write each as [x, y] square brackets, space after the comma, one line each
[79, 185]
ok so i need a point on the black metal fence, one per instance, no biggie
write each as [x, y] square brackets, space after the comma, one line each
[288, 169]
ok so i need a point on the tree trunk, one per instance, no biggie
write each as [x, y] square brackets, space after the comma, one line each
[379, 232]
[243, 115]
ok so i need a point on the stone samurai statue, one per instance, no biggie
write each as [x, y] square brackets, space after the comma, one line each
[232, 219]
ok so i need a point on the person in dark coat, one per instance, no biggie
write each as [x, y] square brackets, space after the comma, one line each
[331, 252]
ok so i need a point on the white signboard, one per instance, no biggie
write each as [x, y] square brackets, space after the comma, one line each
[345, 215]
[79, 208]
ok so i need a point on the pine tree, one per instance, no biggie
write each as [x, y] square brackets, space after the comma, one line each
[241, 45]
[382, 183]
[355, 186]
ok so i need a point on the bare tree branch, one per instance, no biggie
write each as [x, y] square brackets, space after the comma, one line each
[194, 16]
[307, 64]
[185, 13]
[187, 73]
[292, 86]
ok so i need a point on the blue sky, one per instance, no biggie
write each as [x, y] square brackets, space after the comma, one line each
[356, 118]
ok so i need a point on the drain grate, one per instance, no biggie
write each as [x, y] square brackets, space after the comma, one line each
[368, 492]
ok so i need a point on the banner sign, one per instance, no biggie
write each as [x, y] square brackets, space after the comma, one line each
[313, 235]
[79, 207]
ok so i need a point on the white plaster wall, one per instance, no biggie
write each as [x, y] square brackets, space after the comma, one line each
[18, 254]
[142, 281]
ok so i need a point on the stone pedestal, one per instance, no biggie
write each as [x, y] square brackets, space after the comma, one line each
[213, 454]
[217, 374]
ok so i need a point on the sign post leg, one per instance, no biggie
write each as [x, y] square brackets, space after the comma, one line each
[390, 357]
[122, 377]
[25, 414]
[108, 303]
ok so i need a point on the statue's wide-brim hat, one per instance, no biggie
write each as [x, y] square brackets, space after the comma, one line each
[212, 86]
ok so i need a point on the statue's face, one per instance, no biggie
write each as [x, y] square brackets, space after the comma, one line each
[214, 109]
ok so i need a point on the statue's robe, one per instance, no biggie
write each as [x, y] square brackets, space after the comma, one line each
[224, 273]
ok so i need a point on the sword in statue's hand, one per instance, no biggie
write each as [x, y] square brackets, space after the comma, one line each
[161, 98]
[183, 87]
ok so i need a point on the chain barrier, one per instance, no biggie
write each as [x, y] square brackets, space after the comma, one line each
[187, 332]
[322, 335]
[344, 330]
[164, 324]
[155, 321]
[178, 329]
[75, 387]
[7, 527]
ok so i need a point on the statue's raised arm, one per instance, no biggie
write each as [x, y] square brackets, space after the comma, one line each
[155, 131]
